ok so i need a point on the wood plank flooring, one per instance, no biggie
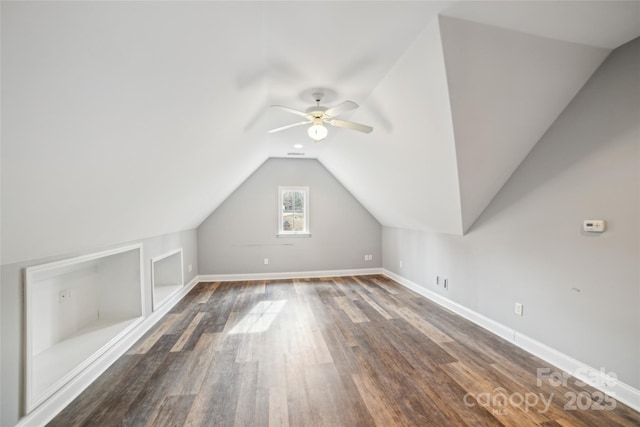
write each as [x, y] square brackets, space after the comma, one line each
[349, 351]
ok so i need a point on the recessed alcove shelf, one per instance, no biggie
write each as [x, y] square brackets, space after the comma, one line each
[166, 276]
[76, 309]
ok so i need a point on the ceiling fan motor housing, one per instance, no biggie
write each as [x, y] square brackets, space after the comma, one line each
[316, 111]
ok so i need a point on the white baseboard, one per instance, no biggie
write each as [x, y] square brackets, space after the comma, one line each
[56, 403]
[288, 275]
[477, 318]
[50, 408]
[596, 378]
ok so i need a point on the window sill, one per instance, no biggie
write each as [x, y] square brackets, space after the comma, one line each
[279, 235]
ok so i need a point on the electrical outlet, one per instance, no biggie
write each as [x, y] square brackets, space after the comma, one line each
[401, 264]
[266, 261]
[438, 280]
[518, 309]
[190, 268]
[445, 283]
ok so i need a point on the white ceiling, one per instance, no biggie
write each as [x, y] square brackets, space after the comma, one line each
[123, 120]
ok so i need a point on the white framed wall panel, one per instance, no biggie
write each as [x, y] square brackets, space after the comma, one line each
[75, 310]
[166, 276]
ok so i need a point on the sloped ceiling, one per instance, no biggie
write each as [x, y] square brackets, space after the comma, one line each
[505, 89]
[405, 172]
[123, 120]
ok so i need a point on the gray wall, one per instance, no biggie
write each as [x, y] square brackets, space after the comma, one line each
[242, 231]
[12, 308]
[528, 246]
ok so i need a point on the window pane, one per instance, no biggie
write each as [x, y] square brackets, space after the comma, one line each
[293, 215]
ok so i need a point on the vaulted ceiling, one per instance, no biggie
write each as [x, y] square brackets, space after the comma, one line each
[123, 120]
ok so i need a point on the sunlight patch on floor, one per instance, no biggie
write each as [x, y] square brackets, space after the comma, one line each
[260, 318]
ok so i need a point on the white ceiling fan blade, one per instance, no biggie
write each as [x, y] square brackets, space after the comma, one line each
[291, 110]
[288, 126]
[350, 125]
[341, 108]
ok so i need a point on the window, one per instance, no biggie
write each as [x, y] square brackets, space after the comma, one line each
[293, 214]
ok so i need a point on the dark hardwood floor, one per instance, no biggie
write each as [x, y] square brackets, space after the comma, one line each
[351, 351]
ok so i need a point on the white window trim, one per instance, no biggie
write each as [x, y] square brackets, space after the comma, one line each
[285, 233]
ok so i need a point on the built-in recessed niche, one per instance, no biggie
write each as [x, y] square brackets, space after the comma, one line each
[76, 309]
[166, 276]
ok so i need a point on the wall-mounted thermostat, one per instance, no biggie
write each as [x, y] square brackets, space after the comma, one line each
[594, 225]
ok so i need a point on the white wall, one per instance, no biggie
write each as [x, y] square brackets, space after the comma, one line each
[81, 310]
[506, 88]
[581, 292]
[412, 144]
[238, 235]
[12, 387]
[120, 117]
[0, 230]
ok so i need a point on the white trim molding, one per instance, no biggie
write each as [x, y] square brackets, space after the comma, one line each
[288, 275]
[57, 402]
[599, 380]
[155, 304]
[596, 378]
[281, 211]
[38, 276]
[477, 318]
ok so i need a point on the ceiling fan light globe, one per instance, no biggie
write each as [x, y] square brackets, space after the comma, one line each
[318, 132]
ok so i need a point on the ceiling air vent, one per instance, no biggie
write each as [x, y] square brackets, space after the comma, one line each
[293, 153]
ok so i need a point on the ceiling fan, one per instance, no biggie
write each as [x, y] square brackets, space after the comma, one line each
[318, 115]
